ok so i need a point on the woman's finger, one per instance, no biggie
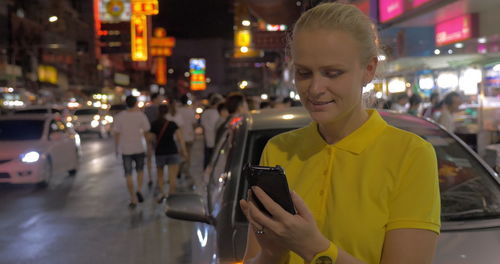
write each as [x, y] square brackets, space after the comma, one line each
[272, 207]
[301, 207]
[260, 218]
[245, 206]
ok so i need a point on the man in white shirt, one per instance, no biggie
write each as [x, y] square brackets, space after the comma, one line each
[400, 104]
[130, 129]
[208, 121]
[189, 122]
[451, 104]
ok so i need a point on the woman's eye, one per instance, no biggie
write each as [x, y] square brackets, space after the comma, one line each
[332, 74]
[302, 73]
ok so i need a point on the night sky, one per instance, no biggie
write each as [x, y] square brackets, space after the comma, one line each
[195, 19]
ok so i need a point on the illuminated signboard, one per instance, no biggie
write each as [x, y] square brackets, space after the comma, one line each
[113, 11]
[139, 32]
[197, 70]
[454, 30]
[47, 74]
[389, 9]
[243, 38]
[145, 7]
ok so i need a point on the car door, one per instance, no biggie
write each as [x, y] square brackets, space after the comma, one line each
[62, 145]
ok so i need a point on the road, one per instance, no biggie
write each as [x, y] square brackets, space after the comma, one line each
[85, 218]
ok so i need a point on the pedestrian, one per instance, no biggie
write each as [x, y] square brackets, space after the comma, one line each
[450, 106]
[364, 191]
[223, 116]
[130, 130]
[151, 112]
[166, 133]
[209, 119]
[415, 101]
[400, 102]
[188, 116]
[236, 106]
[432, 108]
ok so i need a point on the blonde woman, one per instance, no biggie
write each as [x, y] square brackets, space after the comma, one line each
[364, 191]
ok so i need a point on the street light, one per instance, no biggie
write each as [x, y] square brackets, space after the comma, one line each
[244, 49]
[53, 19]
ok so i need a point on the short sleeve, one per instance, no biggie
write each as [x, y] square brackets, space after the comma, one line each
[416, 201]
[117, 124]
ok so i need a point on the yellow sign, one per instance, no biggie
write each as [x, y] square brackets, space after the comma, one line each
[145, 7]
[47, 74]
[139, 32]
[243, 38]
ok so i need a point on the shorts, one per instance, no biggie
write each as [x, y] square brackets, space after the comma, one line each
[162, 160]
[139, 163]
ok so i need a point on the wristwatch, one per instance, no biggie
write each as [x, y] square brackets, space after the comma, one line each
[329, 256]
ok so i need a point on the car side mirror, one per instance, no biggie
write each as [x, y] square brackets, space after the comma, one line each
[188, 207]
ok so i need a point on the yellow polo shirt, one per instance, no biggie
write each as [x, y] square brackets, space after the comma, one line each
[376, 179]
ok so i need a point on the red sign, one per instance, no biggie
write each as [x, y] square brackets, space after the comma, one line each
[455, 30]
[364, 6]
[389, 9]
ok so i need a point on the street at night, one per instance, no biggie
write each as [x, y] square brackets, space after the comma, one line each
[249, 132]
[85, 219]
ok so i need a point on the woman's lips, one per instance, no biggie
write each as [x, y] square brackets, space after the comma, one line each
[319, 103]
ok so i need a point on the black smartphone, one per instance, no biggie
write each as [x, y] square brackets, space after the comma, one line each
[272, 181]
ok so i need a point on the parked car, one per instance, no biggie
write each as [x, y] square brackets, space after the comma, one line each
[34, 147]
[470, 190]
[92, 120]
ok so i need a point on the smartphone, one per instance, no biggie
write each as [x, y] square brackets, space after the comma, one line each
[272, 181]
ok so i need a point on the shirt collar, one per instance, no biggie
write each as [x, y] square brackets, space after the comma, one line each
[358, 140]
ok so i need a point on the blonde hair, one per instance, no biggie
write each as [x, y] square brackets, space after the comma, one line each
[346, 18]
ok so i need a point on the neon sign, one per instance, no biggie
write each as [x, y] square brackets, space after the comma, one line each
[389, 9]
[197, 69]
[139, 31]
[454, 30]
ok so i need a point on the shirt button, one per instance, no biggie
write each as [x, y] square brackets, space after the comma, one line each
[325, 173]
[321, 192]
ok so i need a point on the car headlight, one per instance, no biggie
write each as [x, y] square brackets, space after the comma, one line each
[30, 157]
[97, 117]
[94, 123]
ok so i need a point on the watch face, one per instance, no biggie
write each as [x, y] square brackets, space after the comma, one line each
[324, 260]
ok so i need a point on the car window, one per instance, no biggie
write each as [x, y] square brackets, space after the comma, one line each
[21, 129]
[468, 189]
[218, 170]
[32, 111]
[86, 112]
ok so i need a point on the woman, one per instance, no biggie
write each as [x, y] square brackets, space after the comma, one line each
[364, 191]
[164, 132]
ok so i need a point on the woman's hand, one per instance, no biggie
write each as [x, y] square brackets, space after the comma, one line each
[284, 231]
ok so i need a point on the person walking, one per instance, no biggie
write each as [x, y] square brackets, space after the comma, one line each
[130, 129]
[165, 133]
[152, 112]
[364, 191]
[450, 106]
[188, 115]
[208, 122]
[415, 101]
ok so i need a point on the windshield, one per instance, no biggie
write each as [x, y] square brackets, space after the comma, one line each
[21, 129]
[468, 190]
[87, 112]
[36, 111]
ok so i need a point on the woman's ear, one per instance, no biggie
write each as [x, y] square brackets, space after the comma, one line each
[370, 70]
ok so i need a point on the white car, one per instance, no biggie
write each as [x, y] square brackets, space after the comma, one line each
[92, 120]
[34, 147]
